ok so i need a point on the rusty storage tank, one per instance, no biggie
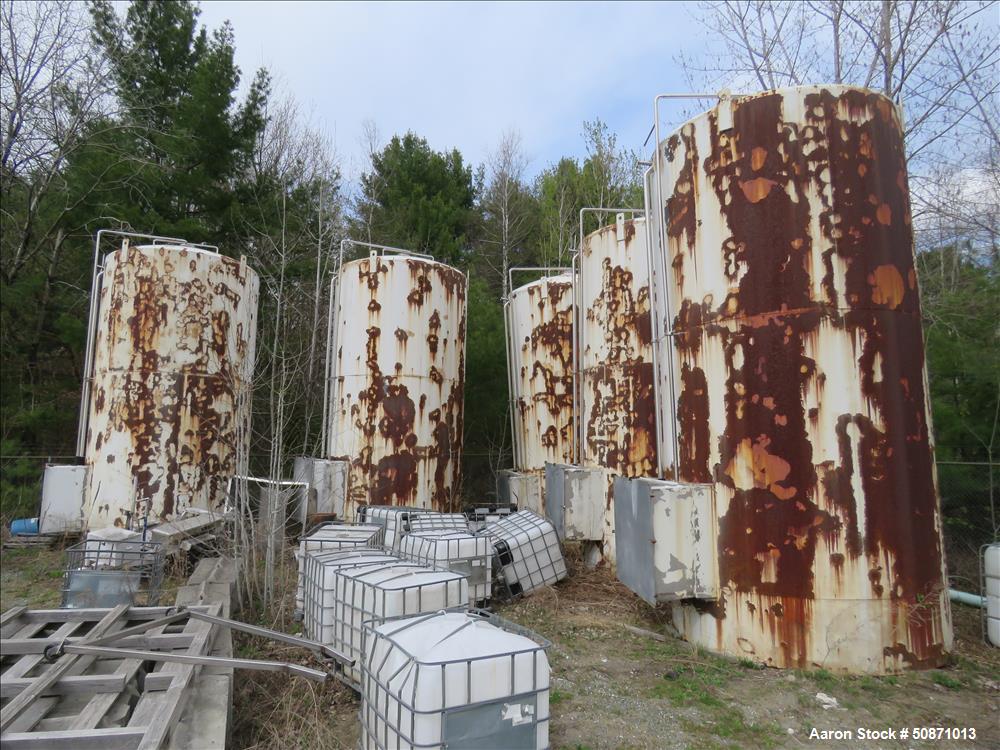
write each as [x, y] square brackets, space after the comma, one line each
[800, 376]
[167, 407]
[539, 323]
[617, 405]
[396, 379]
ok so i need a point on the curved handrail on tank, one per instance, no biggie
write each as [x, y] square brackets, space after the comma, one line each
[96, 275]
[655, 321]
[517, 445]
[661, 235]
[327, 380]
[575, 334]
[384, 248]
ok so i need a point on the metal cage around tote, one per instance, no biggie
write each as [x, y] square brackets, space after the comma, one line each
[104, 573]
[493, 698]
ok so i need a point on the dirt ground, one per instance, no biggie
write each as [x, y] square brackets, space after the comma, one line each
[612, 688]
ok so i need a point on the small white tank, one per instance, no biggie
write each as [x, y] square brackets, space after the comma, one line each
[330, 538]
[452, 680]
[381, 592]
[991, 565]
[393, 518]
[528, 551]
[319, 589]
[460, 551]
[439, 522]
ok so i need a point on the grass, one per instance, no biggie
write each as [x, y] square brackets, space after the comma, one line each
[944, 680]
[557, 696]
[692, 684]
[31, 577]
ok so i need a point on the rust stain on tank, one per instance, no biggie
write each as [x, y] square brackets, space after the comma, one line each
[540, 324]
[171, 381]
[801, 486]
[400, 401]
[619, 407]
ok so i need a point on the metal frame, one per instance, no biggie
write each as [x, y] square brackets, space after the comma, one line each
[525, 551]
[478, 515]
[313, 593]
[438, 522]
[104, 558]
[395, 516]
[357, 600]
[425, 547]
[577, 326]
[96, 285]
[373, 684]
[310, 543]
[517, 440]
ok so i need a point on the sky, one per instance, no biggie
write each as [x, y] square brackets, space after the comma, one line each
[461, 74]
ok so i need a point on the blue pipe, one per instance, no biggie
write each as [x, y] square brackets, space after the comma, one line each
[973, 600]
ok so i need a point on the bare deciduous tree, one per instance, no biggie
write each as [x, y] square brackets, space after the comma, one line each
[291, 222]
[506, 205]
[55, 88]
[937, 58]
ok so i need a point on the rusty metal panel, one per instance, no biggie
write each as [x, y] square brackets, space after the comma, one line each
[540, 333]
[617, 404]
[173, 363]
[396, 411]
[800, 379]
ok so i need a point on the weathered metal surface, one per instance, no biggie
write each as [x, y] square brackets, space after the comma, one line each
[398, 381]
[800, 376]
[666, 539]
[540, 332]
[575, 501]
[63, 490]
[617, 404]
[173, 359]
[525, 490]
[327, 487]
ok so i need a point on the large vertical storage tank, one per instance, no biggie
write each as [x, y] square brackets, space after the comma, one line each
[800, 378]
[540, 363]
[397, 381]
[169, 406]
[617, 404]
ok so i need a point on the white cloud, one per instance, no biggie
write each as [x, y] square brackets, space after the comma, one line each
[460, 74]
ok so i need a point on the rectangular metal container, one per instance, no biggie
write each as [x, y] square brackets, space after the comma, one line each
[62, 499]
[575, 500]
[666, 539]
[327, 480]
[526, 490]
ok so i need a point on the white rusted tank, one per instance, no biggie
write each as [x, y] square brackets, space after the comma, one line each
[396, 380]
[168, 406]
[540, 362]
[539, 332]
[785, 273]
[617, 404]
